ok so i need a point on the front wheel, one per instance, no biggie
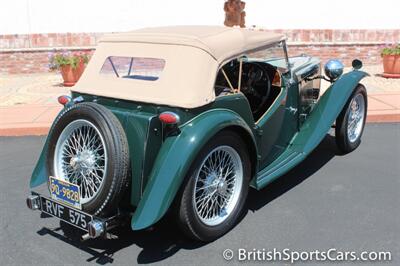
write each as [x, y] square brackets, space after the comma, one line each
[216, 188]
[351, 121]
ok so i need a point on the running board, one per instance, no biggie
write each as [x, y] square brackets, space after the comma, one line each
[286, 161]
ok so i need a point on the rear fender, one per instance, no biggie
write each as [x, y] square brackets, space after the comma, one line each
[40, 174]
[176, 155]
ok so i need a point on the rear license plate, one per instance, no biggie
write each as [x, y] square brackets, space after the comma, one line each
[65, 213]
[65, 192]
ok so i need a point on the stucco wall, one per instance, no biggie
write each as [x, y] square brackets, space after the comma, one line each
[28, 53]
[30, 30]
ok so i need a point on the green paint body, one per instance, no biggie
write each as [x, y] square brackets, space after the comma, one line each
[159, 164]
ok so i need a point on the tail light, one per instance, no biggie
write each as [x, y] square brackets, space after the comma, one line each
[169, 118]
[170, 121]
[64, 99]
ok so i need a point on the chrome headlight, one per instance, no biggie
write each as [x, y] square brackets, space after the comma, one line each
[333, 69]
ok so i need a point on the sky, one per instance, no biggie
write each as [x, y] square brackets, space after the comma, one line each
[46, 16]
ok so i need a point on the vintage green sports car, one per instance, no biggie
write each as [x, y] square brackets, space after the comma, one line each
[184, 120]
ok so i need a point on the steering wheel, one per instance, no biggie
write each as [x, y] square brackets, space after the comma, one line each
[256, 85]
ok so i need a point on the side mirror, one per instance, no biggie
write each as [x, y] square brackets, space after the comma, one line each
[357, 64]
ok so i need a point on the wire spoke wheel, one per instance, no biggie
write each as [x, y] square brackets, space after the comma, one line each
[81, 158]
[351, 121]
[218, 185]
[356, 117]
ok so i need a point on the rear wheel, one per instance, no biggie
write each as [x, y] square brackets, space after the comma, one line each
[216, 188]
[88, 147]
[351, 121]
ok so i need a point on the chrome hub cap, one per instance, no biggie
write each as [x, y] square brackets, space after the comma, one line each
[219, 182]
[81, 158]
[356, 118]
[83, 161]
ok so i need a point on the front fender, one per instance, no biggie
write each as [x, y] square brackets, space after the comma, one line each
[326, 111]
[174, 159]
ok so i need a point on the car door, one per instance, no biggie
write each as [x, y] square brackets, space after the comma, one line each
[280, 122]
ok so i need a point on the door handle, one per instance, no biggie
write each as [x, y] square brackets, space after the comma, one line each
[291, 110]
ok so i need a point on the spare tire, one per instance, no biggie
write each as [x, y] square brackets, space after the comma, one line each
[88, 147]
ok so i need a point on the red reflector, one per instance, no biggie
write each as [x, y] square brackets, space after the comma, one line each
[63, 99]
[169, 118]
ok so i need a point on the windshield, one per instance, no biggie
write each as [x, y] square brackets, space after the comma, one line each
[275, 55]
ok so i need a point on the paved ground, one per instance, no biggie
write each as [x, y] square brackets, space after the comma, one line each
[350, 203]
[28, 103]
[32, 89]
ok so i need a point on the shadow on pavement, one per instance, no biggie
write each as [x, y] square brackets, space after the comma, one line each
[164, 239]
[326, 150]
[157, 243]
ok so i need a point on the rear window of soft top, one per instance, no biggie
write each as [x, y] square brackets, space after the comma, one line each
[139, 68]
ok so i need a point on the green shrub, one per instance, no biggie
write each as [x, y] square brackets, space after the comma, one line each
[57, 60]
[393, 50]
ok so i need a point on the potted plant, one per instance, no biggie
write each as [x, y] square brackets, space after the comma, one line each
[391, 61]
[70, 64]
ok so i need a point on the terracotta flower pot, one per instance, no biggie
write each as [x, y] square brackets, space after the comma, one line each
[70, 75]
[391, 66]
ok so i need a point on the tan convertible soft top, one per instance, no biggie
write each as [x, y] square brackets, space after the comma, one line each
[192, 56]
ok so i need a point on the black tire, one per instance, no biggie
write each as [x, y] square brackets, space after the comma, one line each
[341, 134]
[188, 219]
[115, 181]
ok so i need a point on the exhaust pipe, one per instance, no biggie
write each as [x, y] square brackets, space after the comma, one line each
[85, 237]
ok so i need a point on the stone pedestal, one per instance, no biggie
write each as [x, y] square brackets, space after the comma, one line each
[234, 13]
